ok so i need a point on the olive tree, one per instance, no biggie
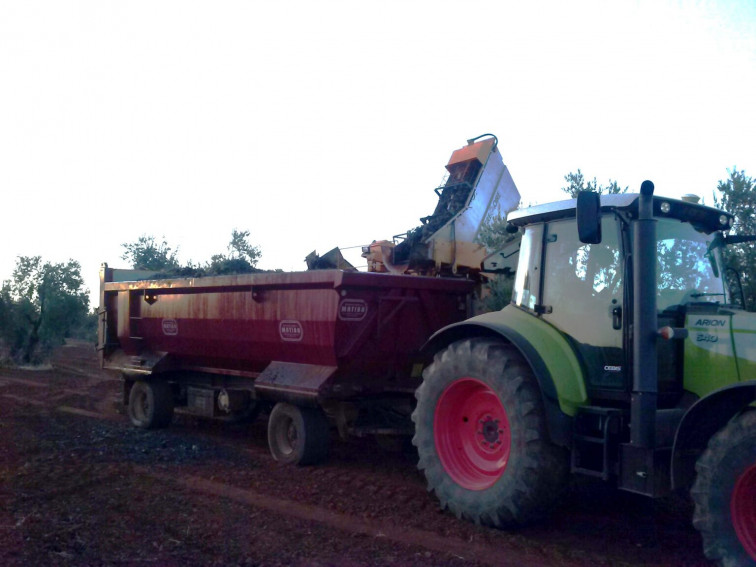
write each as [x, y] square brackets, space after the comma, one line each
[42, 303]
[737, 195]
[146, 253]
[149, 254]
[576, 182]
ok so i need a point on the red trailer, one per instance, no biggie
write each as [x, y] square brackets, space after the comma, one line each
[318, 348]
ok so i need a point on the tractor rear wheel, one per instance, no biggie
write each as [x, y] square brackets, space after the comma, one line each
[297, 435]
[480, 432]
[151, 404]
[725, 493]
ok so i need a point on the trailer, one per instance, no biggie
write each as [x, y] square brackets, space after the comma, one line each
[317, 349]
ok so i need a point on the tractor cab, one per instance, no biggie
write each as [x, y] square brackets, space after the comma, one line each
[578, 277]
[633, 285]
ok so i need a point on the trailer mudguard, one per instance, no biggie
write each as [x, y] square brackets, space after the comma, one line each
[298, 384]
[146, 363]
[702, 420]
[552, 359]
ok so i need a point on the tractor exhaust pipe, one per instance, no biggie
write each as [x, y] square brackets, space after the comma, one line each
[645, 384]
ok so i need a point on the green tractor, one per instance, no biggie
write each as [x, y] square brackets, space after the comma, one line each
[624, 355]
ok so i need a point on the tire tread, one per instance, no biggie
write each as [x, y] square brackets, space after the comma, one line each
[711, 499]
[535, 478]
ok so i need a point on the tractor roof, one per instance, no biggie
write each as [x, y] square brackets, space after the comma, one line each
[703, 218]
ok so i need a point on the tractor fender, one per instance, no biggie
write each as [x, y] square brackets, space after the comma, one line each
[559, 406]
[702, 420]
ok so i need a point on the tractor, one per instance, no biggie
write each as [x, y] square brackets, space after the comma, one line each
[626, 354]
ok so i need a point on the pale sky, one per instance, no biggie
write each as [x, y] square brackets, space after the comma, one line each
[322, 124]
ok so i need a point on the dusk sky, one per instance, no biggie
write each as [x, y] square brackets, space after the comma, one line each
[322, 124]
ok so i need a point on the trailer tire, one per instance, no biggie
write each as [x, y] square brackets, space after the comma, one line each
[151, 404]
[481, 437]
[297, 435]
[724, 493]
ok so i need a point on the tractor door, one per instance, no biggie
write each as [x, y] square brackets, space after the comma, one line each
[691, 293]
[583, 298]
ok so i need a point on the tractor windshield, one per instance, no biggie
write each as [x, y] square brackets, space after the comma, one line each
[688, 266]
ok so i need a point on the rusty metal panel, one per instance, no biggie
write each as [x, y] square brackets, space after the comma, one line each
[293, 382]
[365, 328]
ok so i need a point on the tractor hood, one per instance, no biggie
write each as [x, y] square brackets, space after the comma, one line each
[719, 349]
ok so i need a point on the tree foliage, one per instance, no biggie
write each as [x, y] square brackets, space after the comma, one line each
[241, 258]
[146, 253]
[240, 248]
[149, 254]
[493, 234]
[42, 304]
[496, 292]
[737, 195]
[576, 182]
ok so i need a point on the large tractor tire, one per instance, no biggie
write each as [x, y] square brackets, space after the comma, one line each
[480, 432]
[151, 404]
[297, 435]
[725, 493]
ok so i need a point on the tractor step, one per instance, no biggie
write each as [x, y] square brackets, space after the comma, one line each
[595, 441]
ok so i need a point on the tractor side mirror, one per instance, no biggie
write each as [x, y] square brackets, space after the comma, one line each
[589, 217]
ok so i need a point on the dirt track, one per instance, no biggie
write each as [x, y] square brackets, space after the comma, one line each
[80, 486]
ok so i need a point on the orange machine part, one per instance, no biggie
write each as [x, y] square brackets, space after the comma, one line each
[478, 150]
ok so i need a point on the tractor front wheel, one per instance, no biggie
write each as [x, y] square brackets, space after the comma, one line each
[725, 493]
[480, 432]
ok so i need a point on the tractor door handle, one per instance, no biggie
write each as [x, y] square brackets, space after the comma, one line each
[617, 317]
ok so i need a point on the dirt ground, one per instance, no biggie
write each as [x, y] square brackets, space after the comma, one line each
[80, 486]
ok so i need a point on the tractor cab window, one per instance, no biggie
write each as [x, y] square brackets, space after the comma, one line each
[528, 278]
[688, 268]
[583, 281]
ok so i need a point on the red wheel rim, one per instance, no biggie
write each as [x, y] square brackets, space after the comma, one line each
[743, 510]
[471, 431]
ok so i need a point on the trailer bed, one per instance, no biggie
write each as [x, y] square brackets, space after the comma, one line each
[301, 336]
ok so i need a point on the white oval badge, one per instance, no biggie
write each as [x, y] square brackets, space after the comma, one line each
[170, 327]
[290, 331]
[352, 310]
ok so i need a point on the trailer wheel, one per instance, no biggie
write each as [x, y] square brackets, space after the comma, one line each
[725, 493]
[298, 436]
[480, 432]
[151, 404]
